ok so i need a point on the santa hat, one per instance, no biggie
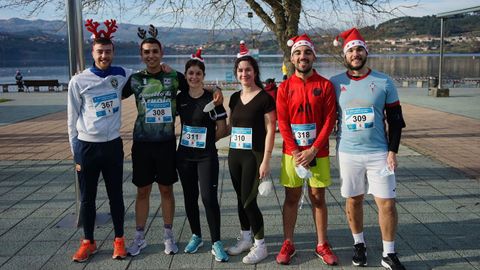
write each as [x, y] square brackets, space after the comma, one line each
[243, 50]
[197, 55]
[351, 38]
[298, 41]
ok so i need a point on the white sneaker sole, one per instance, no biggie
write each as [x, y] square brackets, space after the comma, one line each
[235, 253]
[195, 250]
[217, 259]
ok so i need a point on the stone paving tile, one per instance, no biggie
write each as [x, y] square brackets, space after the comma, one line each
[437, 205]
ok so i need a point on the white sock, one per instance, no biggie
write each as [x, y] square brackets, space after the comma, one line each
[358, 238]
[140, 234]
[246, 235]
[259, 242]
[388, 247]
[168, 233]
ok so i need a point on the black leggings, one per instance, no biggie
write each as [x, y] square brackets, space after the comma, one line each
[107, 158]
[204, 172]
[243, 165]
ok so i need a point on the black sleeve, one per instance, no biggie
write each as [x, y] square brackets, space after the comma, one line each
[221, 113]
[395, 124]
[182, 82]
[233, 101]
[127, 88]
[178, 100]
[269, 104]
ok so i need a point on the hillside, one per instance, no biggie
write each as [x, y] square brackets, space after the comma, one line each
[24, 42]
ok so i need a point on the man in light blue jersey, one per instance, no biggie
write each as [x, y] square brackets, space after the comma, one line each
[366, 150]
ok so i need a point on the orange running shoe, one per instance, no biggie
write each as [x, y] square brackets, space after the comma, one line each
[326, 254]
[119, 251]
[85, 250]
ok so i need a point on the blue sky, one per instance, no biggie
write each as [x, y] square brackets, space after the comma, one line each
[423, 8]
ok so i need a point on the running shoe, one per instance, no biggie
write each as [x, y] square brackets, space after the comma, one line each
[359, 255]
[219, 252]
[136, 246]
[391, 262]
[85, 250]
[326, 254]
[242, 245]
[256, 254]
[170, 245]
[194, 244]
[119, 251]
[286, 252]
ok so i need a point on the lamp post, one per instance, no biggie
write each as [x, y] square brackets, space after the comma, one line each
[250, 15]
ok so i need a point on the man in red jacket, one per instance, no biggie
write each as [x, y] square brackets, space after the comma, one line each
[306, 110]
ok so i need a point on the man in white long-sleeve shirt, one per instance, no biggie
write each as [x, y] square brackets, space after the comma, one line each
[94, 121]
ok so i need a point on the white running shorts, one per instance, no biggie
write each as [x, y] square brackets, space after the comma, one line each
[357, 171]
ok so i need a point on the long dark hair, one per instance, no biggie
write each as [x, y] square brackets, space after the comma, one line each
[254, 64]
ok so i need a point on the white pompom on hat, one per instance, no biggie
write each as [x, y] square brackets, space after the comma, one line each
[243, 49]
[298, 41]
[351, 38]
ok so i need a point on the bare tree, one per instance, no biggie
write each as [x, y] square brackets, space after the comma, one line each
[282, 17]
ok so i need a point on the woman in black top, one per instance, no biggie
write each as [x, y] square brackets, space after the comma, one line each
[197, 159]
[252, 122]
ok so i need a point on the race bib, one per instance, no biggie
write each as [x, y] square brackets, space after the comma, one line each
[158, 112]
[305, 134]
[106, 104]
[241, 138]
[195, 137]
[357, 119]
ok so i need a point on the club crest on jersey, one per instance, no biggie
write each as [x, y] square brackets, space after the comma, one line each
[114, 82]
[167, 82]
[343, 88]
[317, 92]
[144, 81]
[372, 86]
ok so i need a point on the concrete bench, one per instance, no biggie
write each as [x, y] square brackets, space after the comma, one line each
[36, 84]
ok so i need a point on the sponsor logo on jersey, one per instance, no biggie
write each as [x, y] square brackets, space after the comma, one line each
[114, 82]
[167, 82]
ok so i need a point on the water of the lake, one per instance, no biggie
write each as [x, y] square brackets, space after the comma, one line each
[456, 66]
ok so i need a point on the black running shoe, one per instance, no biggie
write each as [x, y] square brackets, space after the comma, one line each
[391, 262]
[359, 255]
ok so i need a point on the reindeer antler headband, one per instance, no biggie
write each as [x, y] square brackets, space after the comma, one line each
[142, 33]
[110, 24]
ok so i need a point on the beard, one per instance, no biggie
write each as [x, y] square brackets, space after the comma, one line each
[359, 67]
[305, 69]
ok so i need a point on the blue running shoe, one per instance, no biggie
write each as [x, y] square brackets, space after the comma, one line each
[219, 252]
[194, 244]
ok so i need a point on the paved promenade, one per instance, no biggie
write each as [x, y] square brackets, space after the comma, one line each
[438, 195]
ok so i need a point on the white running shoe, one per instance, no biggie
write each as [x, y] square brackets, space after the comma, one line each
[170, 246]
[242, 245]
[136, 246]
[256, 254]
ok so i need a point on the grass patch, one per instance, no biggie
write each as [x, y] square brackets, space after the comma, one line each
[4, 100]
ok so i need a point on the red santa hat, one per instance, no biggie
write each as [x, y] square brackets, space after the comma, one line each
[351, 38]
[243, 49]
[198, 55]
[298, 41]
